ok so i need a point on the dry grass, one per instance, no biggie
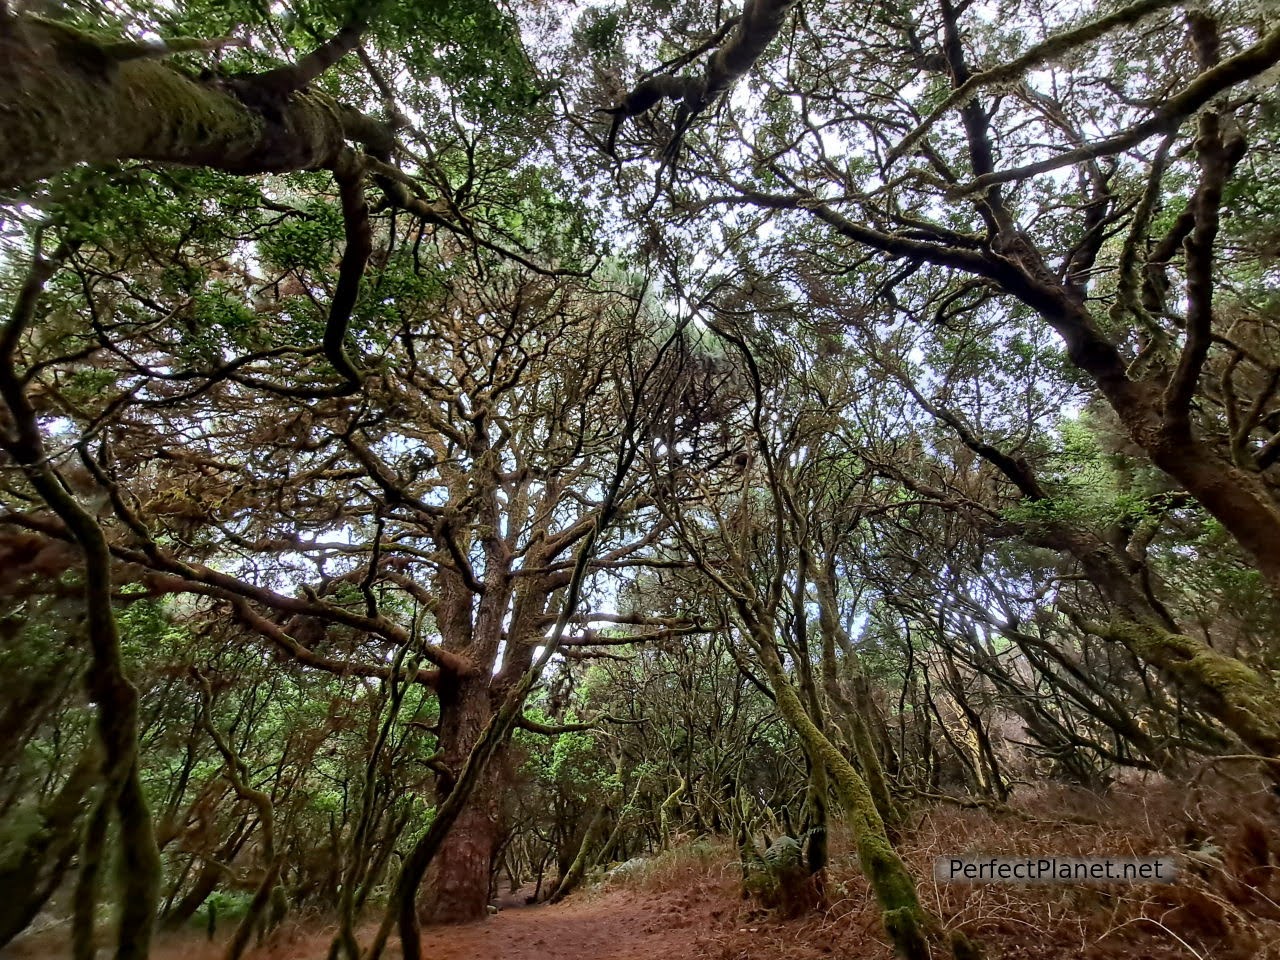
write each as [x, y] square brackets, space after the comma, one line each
[696, 864]
[1225, 906]
[1225, 833]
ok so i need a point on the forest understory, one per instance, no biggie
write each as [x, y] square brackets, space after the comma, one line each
[688, 903]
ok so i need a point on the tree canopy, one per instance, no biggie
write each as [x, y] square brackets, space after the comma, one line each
[448, 439]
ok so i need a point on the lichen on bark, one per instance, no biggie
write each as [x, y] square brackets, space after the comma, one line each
[905, 921]
[65, 100]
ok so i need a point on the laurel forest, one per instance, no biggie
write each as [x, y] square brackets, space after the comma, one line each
[637, 477]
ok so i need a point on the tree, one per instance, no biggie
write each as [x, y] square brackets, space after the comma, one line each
[948, 175]
[63, 83]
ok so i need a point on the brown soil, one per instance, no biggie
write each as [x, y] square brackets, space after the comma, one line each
[707, 923]
[622, 925]
[704, 924]
[618, 925]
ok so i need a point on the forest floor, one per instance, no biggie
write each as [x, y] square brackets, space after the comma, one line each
[618, 925]
[688, 908]
[687, 903]
[705, 921]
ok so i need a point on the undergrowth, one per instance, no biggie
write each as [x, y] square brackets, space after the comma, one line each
[1224, 906]
[696, 863]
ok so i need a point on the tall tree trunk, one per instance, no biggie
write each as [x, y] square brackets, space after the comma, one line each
[904, 919]
[573, 876]
[853, 719]
[457, 883]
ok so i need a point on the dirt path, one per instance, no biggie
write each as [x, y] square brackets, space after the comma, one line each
[702, 922]
[617, 926]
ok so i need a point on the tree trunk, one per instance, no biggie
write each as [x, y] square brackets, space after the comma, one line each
[34, 872]
[65, 99]
[901, 913]
[573, 876]
[1238, 499]
[457, 883]
[853, 719]
[904, 919]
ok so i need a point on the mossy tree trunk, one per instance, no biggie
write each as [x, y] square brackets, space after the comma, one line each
[905, 921]
[573, 876]
[851, 716]
[115, 697]
[66, 98]
[35, 871]
[1231, 691]
[1228, 689]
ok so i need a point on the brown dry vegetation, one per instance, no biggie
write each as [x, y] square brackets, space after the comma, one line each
[686, 904]
[1224, 905]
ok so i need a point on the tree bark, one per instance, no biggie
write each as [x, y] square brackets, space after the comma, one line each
[36, 871]
[904, 919]
[457, 884]
[853, 719]
[1236, 498]
[65, 99]
[1230, 690]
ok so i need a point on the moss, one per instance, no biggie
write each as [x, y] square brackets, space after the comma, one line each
[1229, 689]
[873, 772]
[905, 921]
[887, 874]
[962, 948]
[907, 932]
[65, 100]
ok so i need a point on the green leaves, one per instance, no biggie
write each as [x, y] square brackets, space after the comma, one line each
[471, 47]
[1086, 489]
[308, 241]
[600, 31]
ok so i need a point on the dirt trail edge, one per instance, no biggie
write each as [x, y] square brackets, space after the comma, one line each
[621, 925]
